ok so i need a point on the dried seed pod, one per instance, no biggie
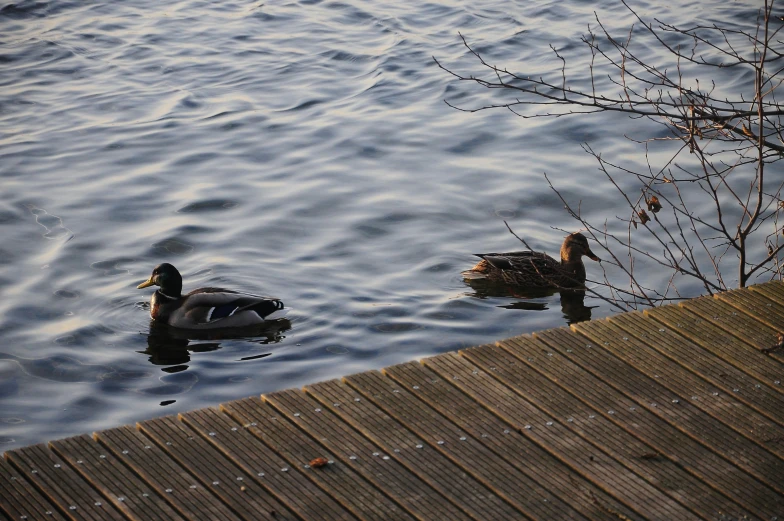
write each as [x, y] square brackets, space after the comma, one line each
[318, 462]
[653, 204]
[643, 216]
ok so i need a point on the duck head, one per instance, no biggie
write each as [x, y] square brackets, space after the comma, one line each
[167, 278]
[574, 247]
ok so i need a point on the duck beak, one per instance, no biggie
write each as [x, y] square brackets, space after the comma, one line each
[147, 283]
[591, 256]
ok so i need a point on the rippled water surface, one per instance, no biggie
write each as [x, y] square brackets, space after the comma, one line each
[295, 148]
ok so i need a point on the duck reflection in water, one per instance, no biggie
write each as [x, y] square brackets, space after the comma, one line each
[533, 299]
[172, 347]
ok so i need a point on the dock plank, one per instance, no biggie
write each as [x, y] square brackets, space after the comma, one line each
[158, 469]
[117, 484]
[528, 490]
[346, 486]
[441, 381]
[61, 484]
[714, 371]
[736, 323]
[237, 489]
[237, 442]
[563, 445]
[715, 340]
[20, 500]
[758, 304]
[644, 421]
[399, 443]
[374, 464]
[681, 412]
[590, 419]
[684, 384]
[772, 290]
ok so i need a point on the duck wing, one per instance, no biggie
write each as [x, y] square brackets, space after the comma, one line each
[225, 308]
[514, 260]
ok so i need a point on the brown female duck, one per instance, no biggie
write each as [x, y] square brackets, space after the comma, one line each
[535, 269]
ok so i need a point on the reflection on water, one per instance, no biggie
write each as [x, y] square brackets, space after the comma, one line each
[172, 346]
[60, 368]
[532, 299]
[573, 307]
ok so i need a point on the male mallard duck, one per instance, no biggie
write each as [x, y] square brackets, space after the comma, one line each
[536, 269]
[206, 308]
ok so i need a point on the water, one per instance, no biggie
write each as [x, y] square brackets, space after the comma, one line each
[298, 149]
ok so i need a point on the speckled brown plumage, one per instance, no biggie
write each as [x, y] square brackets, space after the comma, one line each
[537, 269]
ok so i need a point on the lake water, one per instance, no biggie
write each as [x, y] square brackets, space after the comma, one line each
[300, 149]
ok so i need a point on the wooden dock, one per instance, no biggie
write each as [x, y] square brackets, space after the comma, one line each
[675, 413]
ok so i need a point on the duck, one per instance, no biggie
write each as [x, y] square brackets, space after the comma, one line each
[536, 269]
[206, 308]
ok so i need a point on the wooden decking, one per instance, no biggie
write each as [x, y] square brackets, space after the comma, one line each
[672, 414]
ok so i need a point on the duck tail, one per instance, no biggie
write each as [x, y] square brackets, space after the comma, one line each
[275, 315]
[497, 261]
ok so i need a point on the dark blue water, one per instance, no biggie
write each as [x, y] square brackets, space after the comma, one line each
[295, 148]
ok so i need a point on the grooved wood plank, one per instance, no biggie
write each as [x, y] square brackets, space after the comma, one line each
[763, 304]
[623, 484]
[682, 383]
[400, 443]
[239, 490]
[238, 443]
[350, 489]
[441, 383]
[19, 498]
[710, 369]
[738, 324]
[679, 411]
[117, 484]
[527, 493]
[715, 340]
[552, 350]
[772, 290]
[377, 467]
[590, 420]
[757, 305]
[61, 484]
[162, 473]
